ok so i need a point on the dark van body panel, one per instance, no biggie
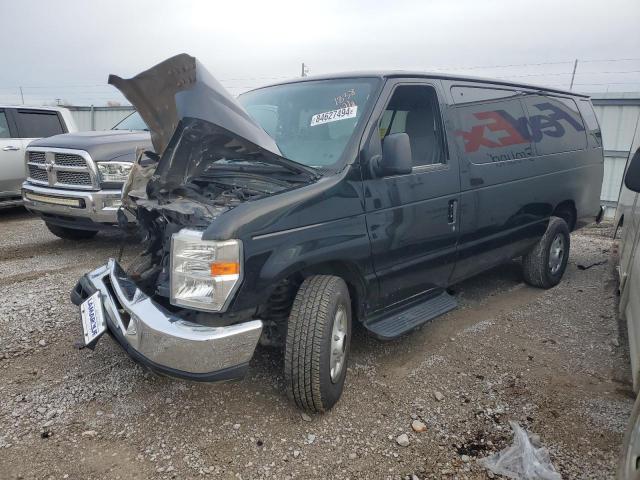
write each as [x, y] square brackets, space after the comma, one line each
[508, 192]
[391, 236]
[319, 224]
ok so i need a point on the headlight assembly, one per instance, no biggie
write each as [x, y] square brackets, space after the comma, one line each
[204, 273]
[116, 172]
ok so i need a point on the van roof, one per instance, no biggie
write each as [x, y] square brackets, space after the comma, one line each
[438, 75]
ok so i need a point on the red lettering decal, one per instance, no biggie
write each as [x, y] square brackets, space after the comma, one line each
[473, 139]
[499, 123]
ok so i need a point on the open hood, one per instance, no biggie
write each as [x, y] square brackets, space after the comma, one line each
[180, 87]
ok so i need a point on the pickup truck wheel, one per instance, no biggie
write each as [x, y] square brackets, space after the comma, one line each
[70, 233]
[317, 346]
[545, 264]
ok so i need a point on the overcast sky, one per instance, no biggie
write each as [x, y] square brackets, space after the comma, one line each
[66, 49]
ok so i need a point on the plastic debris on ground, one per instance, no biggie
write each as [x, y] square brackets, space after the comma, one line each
[522, 460]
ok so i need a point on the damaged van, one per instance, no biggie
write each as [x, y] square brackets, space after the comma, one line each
[286, 215]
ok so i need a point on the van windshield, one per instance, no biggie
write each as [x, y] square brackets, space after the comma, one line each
[312, 121]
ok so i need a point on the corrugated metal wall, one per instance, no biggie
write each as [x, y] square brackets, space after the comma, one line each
[98, 118]
[617, 114]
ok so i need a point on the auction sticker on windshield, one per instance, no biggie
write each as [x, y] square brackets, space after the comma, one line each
[93, 323]
[334, 115]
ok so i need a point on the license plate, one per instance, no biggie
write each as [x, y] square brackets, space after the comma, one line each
[93, 324]
[68, 202]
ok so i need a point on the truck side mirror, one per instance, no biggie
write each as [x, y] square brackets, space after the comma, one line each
[632, 177]
[396, 156]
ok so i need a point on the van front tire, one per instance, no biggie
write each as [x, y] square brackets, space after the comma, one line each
[545, 264]
[317, 345]
[70, 233]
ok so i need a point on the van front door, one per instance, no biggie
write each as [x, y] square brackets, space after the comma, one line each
[412, 219]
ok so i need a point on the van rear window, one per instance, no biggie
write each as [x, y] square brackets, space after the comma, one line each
[591, 122]
[555, 124]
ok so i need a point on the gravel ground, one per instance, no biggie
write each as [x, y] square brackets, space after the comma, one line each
[555, 361]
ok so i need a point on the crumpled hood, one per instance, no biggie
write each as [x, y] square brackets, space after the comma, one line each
[180, 87]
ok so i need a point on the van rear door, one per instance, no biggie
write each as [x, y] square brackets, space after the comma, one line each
[413, 219]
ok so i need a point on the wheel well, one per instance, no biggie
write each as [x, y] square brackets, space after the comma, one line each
[351, 276]
[567, 211]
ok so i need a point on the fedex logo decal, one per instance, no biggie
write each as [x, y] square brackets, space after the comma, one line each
[550, 122]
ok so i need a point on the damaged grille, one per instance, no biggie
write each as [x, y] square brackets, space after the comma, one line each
[64, 169]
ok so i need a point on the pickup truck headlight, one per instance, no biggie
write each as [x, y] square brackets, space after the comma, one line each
[114, 172]
[204, 273]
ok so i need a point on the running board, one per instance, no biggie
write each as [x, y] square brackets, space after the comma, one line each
[396, 324]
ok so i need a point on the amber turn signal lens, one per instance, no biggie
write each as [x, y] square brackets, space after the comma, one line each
[225, 268]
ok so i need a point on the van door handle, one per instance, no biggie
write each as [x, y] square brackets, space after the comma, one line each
[10, 148]
[453, 212]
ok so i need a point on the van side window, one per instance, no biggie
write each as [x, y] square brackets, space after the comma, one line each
[555, 124]
[590, 122]
[492, 125]
[413, 109]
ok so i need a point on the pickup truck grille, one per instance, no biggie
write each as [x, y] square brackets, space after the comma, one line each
[62, 168]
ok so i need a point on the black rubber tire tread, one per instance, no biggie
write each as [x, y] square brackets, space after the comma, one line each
[70, 233]
[311, 314]
[535, 267]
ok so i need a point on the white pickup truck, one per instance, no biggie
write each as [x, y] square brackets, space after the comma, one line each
[19, 126]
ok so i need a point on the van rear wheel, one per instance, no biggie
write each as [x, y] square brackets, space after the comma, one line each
[545, 264]
[70, 233]
[317, 346]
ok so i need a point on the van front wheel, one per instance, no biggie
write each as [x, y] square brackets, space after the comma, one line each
[317, 346]
[545, 264]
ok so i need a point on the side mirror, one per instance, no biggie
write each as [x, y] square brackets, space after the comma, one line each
[632, 177]
[396, 156]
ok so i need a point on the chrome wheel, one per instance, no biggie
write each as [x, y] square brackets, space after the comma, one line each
[556, 253]
[338, 343]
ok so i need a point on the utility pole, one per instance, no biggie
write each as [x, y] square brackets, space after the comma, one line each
[573, 75]
[21, 95]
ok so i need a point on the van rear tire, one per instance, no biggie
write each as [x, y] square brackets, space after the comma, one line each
[545, 264]
[70, 233]
[317, 345]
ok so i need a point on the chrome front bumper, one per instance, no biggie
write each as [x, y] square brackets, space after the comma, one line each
[100, 206]
[163, 341]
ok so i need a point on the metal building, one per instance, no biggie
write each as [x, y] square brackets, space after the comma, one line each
[618, 114]
[98, 118]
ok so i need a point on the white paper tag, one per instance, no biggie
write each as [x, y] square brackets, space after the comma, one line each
[334, 115]
[93, 323]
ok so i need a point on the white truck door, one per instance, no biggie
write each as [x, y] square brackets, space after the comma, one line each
[12, 166]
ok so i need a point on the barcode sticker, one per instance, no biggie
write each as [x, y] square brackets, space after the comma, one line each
[334, 115]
